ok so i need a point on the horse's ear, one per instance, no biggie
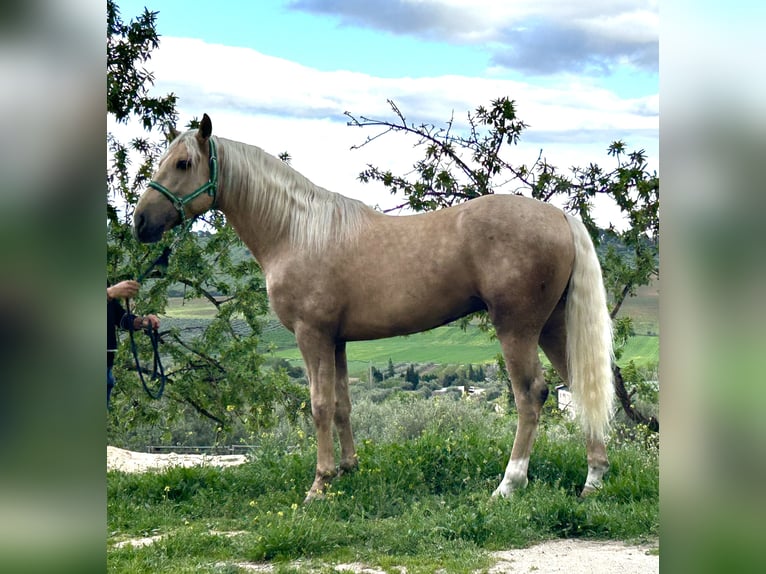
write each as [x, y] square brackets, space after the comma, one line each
[205, 128]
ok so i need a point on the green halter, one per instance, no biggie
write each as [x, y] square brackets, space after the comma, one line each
[210, 187]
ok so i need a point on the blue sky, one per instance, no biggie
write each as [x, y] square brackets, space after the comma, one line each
[309, 33]
[313, 40]
[280, 74]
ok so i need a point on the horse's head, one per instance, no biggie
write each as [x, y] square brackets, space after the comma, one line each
[183, 186]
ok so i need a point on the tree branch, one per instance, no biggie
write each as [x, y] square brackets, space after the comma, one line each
[619, 301]
[203, 411]
[209, 296]
[622, 395]
[424, 132]
[202, 356]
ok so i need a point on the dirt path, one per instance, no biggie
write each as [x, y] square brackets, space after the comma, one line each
[129, 461]
[565, 556]
[579, 557]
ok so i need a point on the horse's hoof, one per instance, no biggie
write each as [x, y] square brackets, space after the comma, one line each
[507, 487]
[316, 492]
[348, 468]
[501, 494]
[318, 489]
[589, 489]
[311, 496]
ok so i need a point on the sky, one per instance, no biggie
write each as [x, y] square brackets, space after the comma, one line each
[280, 74]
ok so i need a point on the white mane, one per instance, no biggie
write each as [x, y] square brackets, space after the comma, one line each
[284, 201]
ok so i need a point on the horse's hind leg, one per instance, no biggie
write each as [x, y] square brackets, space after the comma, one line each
[530, 392]
[553, 342]
[348, 460]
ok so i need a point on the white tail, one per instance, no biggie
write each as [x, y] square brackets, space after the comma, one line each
[589, 337]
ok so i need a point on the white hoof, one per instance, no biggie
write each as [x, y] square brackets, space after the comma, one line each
[508, 487]
[501, 492]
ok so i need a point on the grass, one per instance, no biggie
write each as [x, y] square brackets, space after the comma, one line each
[643, 350]
[445, 345]
[191, 309]
[644, 309]
[420, 499]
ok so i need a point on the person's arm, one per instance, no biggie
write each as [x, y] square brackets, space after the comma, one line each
[127, 289]
[122, 290]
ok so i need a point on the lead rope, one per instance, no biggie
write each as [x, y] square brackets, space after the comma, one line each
[158, 371]
[210, 188]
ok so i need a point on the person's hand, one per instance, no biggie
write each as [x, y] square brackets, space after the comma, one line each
[150, 320]
[123, 290]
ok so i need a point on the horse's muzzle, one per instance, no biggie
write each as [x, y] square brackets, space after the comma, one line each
[146, 231]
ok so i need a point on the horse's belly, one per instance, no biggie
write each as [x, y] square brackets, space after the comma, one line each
[382, 319]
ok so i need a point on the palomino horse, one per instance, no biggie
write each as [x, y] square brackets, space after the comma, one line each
[338, 271]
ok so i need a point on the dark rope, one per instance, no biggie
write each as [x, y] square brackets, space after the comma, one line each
[158, 371]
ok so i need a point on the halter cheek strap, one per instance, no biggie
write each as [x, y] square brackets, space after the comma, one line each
[211, 187]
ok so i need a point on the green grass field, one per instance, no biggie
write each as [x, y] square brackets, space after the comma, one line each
[644, 309]
[445, 345]
[451, 346]
[448, 345]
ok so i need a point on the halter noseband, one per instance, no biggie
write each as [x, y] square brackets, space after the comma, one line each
[210, 187]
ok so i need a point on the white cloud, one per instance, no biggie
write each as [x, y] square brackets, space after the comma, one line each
[227, 77]
[281, 106]
[639, 26]
[539, 36]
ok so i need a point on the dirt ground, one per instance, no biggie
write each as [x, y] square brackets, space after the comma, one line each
[565, 556]
[129, 461]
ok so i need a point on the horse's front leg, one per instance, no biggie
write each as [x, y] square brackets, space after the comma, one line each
[319, 355]
[348, 460]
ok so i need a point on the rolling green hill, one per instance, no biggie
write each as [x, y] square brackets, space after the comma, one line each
[451, 345]
[445, 345]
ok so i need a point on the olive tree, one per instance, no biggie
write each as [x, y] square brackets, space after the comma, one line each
[214, 368]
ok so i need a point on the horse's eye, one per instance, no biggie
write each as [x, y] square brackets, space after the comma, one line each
[183, 164]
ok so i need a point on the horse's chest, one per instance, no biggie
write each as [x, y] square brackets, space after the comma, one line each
[282, 302]
[297, 299]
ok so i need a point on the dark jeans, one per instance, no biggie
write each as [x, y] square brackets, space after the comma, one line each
[109, 385]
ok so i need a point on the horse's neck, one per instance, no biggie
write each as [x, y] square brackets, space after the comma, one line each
[262, 247]
[276, 210]
[240, 186]
[263, 241]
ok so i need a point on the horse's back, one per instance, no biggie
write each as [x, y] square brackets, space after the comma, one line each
[521, 219]
[494, 252]
[404, 274]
